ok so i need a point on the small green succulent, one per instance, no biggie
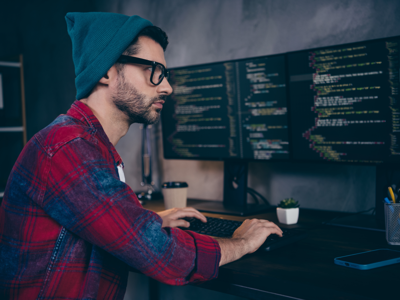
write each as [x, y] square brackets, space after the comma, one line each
[288, 203]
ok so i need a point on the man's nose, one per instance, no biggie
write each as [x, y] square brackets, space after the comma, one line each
[165, 88]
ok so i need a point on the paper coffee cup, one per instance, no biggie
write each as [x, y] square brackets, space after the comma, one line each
[175, 194]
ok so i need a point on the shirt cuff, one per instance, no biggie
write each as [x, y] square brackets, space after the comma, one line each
[208, 256]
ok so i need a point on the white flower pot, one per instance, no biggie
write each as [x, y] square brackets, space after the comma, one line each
[288, 215]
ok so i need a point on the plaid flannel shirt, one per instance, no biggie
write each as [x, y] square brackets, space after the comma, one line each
[70, 229]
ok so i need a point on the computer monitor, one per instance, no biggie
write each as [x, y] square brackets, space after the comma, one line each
[344, 103]
[344, 107]
[235, 111]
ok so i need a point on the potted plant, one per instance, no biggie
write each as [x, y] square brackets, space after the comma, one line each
[288, 211]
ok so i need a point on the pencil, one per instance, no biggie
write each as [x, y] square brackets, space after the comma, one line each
[391, 194]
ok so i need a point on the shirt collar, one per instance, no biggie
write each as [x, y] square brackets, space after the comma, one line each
[82, 112]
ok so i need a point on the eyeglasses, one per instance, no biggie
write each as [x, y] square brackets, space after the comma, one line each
[158, 71]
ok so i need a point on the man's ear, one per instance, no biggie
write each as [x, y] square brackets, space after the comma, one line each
[105, 79]
[111, 75]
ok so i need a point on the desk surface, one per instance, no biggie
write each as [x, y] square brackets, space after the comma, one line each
[306, 269]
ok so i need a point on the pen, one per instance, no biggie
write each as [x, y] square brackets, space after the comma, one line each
[391, 194]
[389, 202]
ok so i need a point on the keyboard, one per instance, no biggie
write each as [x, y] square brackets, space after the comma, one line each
[225, 228]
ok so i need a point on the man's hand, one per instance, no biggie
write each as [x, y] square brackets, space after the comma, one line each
[246, 239]
[254, 233]
[173, 217]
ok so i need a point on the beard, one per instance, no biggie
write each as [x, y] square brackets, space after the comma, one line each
[136, 106]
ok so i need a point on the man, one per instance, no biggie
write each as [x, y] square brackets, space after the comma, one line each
[69, 227]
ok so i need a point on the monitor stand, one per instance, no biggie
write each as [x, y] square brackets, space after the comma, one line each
[235, 193]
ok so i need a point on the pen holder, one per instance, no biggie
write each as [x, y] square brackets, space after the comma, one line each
[392, 222]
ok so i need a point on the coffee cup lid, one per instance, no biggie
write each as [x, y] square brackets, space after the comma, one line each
[174, 185]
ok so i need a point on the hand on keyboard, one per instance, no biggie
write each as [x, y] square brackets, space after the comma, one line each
[174, 217]
[241, 238]
[225, 228]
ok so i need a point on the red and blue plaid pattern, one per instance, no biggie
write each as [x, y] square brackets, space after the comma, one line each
[70, 229]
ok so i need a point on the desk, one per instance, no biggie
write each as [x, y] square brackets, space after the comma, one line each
[306, 269]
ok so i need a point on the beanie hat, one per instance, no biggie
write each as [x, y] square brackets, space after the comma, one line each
[98, 40]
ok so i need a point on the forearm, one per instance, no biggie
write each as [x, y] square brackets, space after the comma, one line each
[231, 249]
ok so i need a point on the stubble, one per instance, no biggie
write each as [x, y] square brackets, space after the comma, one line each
[136, 106]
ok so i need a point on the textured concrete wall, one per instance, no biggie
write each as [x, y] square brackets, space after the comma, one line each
[214, 30]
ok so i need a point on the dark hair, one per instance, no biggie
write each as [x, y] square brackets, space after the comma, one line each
[153, 32]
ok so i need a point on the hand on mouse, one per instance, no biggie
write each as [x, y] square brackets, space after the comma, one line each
[246, 239]
[254, 232]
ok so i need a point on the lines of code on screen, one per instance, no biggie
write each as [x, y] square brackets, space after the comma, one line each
[235, 109]
[344, 102]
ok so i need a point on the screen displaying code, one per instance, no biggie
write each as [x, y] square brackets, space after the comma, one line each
[235, 109]
[344, 102]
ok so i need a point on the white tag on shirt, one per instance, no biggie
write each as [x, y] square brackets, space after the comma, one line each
[121, 173]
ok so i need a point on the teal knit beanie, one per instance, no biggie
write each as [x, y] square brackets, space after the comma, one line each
[98, 40]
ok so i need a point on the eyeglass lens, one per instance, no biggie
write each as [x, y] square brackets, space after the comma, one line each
[158, 74]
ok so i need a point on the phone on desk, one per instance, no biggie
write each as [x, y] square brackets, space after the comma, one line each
[369, 259]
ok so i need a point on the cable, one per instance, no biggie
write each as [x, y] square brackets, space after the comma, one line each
[254, 196]
[253, 192]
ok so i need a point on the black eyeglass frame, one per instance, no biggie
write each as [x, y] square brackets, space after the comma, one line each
[125, 59]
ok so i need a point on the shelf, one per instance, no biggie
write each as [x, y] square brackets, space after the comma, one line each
[10, 64]
[12, 129]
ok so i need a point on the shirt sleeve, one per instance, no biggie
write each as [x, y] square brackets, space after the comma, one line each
[85, 196]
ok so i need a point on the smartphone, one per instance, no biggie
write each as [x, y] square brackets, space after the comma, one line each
[369, 259]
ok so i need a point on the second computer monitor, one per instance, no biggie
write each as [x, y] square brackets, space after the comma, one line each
[229, 110]
[344, 102]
